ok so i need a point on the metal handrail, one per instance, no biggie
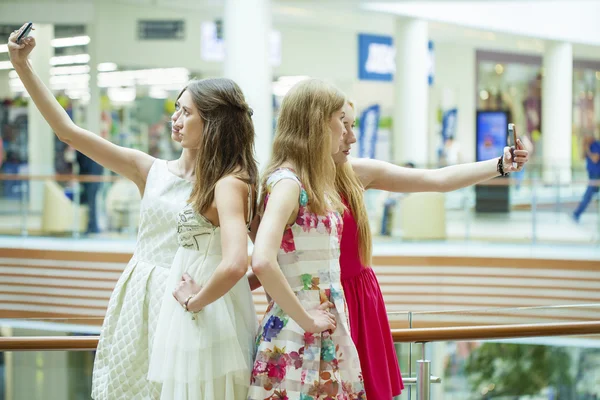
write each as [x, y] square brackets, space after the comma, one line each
[59, 178]
[422, 335]
[487, 332]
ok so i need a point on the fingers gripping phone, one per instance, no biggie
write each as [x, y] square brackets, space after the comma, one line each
[512, 131]
[25, 32]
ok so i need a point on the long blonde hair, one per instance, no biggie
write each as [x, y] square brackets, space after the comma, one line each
[303, 138]
[227, 142]
[351, 189]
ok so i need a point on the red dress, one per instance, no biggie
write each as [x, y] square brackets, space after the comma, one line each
[369, 325]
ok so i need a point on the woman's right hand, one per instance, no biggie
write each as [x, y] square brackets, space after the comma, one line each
[18, 53]
[322, 319]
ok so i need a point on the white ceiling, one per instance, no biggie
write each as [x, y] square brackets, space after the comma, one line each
[572, 21]
[477, 22]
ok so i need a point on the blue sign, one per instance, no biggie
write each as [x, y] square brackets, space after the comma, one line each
[376, 58]
[367, 138]
[492, 131]
[449, 124]
[431, 61]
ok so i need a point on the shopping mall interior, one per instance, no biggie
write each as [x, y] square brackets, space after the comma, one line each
[503, 274]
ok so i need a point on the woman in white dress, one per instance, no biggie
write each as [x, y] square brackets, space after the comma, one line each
[121, 363]
[204, 343]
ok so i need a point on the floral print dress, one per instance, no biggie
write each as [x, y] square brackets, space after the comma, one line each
[291, 363]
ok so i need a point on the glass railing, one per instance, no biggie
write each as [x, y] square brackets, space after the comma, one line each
[41, 375]
[53, 369]
[579, 312]
[516, 362]
[476, 353]
[556, 360]
[523, 209]
[62, 206]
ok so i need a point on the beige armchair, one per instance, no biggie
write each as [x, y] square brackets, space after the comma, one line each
[59, 212]
[423, 216]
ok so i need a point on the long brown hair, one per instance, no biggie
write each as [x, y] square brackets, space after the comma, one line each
[227, 142]
[351, 189]
[303, 138]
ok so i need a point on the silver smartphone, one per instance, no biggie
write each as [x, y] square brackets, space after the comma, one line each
[512, 132]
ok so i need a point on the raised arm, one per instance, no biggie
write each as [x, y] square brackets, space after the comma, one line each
[132, 164]
[375, 174]
[282, 205]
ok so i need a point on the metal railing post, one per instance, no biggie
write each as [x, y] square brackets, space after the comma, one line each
[423, 377]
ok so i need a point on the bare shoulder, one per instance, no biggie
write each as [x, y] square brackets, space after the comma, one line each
[287, 187]
[283, 204]
[230, 187]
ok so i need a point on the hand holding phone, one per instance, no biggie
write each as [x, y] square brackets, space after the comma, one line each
[512, 131]
[24, 32]
[20, 44]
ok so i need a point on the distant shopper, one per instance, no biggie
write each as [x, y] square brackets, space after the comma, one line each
[591, 148]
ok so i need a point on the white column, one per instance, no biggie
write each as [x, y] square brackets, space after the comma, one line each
[557, 111]
[4, 86]
[41, 138]
[93, 113]
[411, 89]
[457, 75]
[247, 63]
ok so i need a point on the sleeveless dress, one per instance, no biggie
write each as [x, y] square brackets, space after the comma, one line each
[291, 363]
[121, 363]
[209, 357]
[369, 323]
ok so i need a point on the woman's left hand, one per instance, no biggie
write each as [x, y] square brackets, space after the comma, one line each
[521, 156]
[185, 288]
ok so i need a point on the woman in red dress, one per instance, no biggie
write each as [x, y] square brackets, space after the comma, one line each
[369, 324]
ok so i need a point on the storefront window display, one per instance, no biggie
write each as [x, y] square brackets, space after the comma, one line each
[142, 123]
[586, 107]
[13, 129]
[513, 83]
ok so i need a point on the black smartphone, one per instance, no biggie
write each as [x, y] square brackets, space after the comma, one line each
[25, 32]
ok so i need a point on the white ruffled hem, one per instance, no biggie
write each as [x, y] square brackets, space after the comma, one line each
[207, 358]
[233, 386]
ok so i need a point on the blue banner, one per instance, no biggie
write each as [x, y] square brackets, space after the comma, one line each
[376, 58]
[431, 61]
[369, 125]
[449, 124]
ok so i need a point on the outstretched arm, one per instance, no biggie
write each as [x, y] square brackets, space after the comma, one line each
[375, 174]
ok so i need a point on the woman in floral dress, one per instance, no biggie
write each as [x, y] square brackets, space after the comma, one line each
[304, 347]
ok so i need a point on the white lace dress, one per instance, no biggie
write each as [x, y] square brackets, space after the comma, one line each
[121, 363]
